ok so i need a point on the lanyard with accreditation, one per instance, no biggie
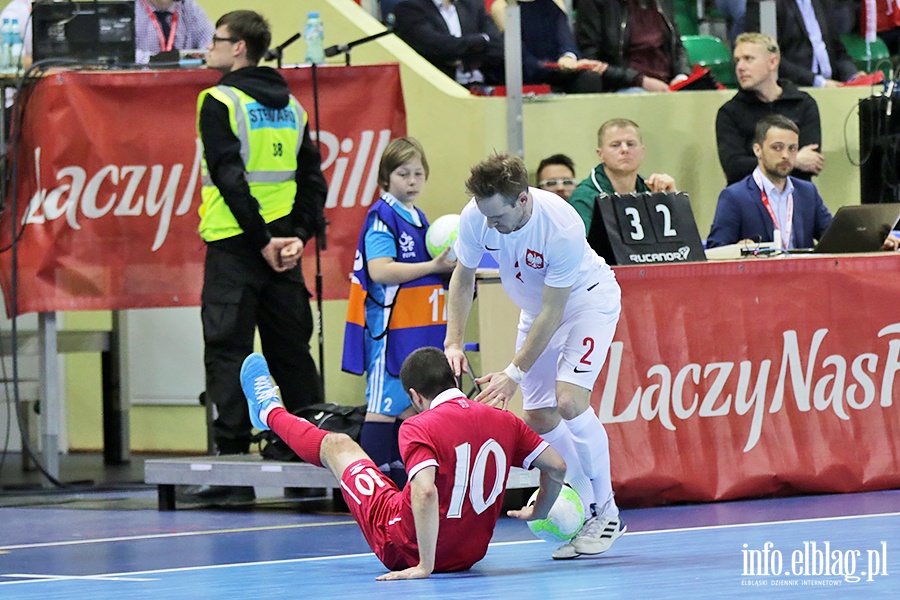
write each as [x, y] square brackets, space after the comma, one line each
[783, 233]
[164, 45]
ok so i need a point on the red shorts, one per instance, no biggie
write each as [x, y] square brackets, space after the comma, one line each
[383, 513]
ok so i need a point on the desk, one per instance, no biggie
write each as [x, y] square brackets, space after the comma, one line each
[744, 378]
[47, 343]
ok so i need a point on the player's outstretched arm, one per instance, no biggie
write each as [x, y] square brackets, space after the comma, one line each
[459, 304]
[553, 473]
[426, 514]
[498, 388]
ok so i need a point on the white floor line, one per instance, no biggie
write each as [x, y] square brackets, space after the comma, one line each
[358, 555]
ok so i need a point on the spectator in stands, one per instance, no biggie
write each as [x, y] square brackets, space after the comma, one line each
[846, 15]
[638, 38]
[549, 53]
[811, 50]
[20, 10]
[556, 174]
[458, 37]
[769, 203]
[166, 25]
[756, 58]
[621, 151]
[733, 11]
[886, 23]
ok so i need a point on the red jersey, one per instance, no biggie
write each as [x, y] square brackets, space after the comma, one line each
[473, 447]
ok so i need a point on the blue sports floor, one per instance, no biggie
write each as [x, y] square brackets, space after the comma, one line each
[842, 546]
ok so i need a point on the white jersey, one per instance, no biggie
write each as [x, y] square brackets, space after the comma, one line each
[551, 249]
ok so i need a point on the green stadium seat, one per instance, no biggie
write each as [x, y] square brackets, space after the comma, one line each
[869, 57]
[686, 18]
[710, 51]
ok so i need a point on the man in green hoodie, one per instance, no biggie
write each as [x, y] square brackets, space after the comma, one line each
[621, 152]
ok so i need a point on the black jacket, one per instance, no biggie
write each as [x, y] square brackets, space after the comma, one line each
[736, 127]
[602, 33]
[419, 23]
[222, 151]
[796, 49]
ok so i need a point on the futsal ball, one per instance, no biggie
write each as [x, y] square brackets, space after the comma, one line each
[441, 235]
[565, 519]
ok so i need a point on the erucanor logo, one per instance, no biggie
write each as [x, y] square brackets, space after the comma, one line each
[679, 255]
[835, 382]
[812, 564]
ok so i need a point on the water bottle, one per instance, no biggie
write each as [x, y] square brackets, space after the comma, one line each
[314, 32]
[15, 45]
[4, 45]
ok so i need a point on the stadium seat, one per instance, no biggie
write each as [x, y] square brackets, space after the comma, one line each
[710, 51]
[868, 57]
[686, 18]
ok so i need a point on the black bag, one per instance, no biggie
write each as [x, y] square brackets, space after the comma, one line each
[327, 415]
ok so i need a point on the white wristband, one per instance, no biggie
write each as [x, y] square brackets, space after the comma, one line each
[514, 373]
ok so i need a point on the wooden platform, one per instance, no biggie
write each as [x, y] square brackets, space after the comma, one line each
[252, 470]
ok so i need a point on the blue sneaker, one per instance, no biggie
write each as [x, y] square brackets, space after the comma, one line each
[257, 385]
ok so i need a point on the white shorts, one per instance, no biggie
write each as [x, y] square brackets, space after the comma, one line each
[576, 354]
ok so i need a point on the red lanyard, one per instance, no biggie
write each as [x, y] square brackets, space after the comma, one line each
[164, 45]
[786, 231]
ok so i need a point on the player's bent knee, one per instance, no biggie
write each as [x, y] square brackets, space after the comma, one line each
[541, 420]
[339, 450]
[338, 442]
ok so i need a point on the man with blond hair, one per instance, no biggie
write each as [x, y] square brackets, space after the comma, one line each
[620, 148]
[756, 58]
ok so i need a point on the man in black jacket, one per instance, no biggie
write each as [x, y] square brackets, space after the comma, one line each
[811, 51]
[263, 197]
[762, 94]
[638, 38]
[459, 38]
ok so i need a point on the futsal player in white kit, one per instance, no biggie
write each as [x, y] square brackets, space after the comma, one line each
[570, 303]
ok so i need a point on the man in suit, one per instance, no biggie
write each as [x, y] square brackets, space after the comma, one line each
[812, 53]
[769, 204]
[456, 36]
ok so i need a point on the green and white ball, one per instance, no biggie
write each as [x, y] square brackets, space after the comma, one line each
[565, 519]
[441, 235]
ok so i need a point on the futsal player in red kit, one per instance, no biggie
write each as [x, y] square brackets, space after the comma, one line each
[457, 454]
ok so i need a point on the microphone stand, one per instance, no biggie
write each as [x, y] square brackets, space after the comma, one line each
[320, 237]
[277, 52]
[346, 48]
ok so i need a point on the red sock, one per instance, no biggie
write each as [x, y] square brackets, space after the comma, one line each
[303, 437]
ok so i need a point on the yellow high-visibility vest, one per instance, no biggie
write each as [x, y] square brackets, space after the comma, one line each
[270, 140]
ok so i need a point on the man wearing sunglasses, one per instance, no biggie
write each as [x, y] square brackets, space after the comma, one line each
[263, 197]
[556, 174]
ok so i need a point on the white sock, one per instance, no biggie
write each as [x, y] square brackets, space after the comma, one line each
[560, 438]
[592, 447]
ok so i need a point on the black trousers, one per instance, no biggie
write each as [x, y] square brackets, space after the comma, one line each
[575, 82]
[240, 294]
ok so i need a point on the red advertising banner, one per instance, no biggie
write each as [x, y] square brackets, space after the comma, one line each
[749, 378]
[108, 183]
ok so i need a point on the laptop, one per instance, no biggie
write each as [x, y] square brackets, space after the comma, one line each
[860, 228]
[100, 31]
